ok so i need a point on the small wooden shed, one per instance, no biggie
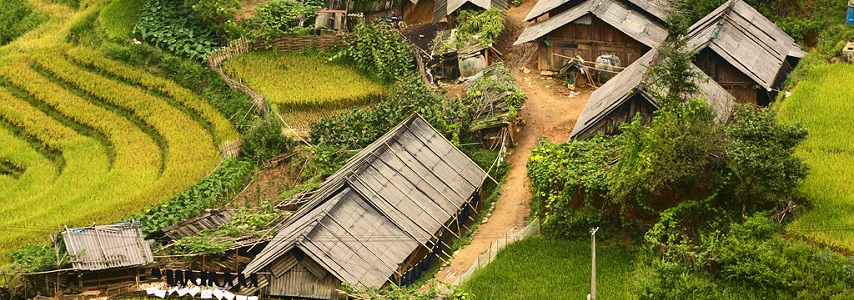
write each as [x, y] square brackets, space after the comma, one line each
[376, 220]
[593, 28]
[744, 52]
[628, 93]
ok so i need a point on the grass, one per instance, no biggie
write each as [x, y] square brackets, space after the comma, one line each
[539, 268]
[822, 103]
[297, 81]
[119, 18]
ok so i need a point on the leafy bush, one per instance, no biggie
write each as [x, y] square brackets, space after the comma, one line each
[16, 18]
[33, 258]
[168, 25]
[70, 3]
[358, 128]
[381, 51]
[264, 141]
[479, 26]
[119, 18]
[749, 259]
[217, 15]
[211, 191]
[276, 18]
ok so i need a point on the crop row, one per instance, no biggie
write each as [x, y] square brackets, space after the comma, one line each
[191, 152]
[297, 81]
[223, 129]
[301, 120]
[41, 200]
[38, 170]
[134, 150]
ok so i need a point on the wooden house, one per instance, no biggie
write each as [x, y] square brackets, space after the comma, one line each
[377, 220]
[628, 94]
[744, 52]
[626, 29]
[444, 8]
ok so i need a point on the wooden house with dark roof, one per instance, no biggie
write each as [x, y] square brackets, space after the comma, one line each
[444, 8]
[377, 220]
[744, 52]
[591, 28]
[628, 93]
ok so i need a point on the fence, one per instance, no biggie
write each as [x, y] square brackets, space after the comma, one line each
[487, 256]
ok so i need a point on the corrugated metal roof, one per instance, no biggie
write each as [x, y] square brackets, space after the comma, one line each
[654, 8]
[209, 220]
[381, 206]
[633, 23]
[634, 80]
[107, 246]
[745, 39]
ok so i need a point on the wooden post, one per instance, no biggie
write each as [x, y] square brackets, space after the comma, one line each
[593, 265]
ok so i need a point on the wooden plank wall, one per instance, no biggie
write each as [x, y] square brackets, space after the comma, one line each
[304, 279]
[610, 125]
[589, 42]
[734, 81]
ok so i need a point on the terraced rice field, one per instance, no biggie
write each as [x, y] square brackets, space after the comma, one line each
[87, 139]
[822, 103]
[305, 87]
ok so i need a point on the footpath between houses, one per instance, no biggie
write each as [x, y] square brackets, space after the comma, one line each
[549, 113]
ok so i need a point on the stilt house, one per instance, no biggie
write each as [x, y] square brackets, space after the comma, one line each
[628, 94]
[377, 220]
[744, 52]
[626, 29]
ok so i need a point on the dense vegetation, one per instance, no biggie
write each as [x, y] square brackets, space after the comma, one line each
[704, 199]
[17, 17]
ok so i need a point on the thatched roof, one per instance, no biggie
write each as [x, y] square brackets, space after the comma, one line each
[444, 8]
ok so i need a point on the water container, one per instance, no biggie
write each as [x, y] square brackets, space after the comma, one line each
[850, 19]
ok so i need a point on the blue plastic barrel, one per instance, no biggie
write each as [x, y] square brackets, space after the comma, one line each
[850, 19]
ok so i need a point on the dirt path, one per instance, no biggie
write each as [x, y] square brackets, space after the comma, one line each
[549, 113]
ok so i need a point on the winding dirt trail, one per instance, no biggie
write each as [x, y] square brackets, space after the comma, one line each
[549, 113]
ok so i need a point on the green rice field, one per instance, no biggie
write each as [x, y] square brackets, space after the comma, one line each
[822, 102]
[539, 268]
[304, 86]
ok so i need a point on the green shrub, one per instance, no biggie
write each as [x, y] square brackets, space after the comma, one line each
[276, 18]
[212, 191]
[380, 51]
[33, 258]
[483, 27]
[16, 18]
[169, 25]
[264, 141]
[217, 15]
[119, 18]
